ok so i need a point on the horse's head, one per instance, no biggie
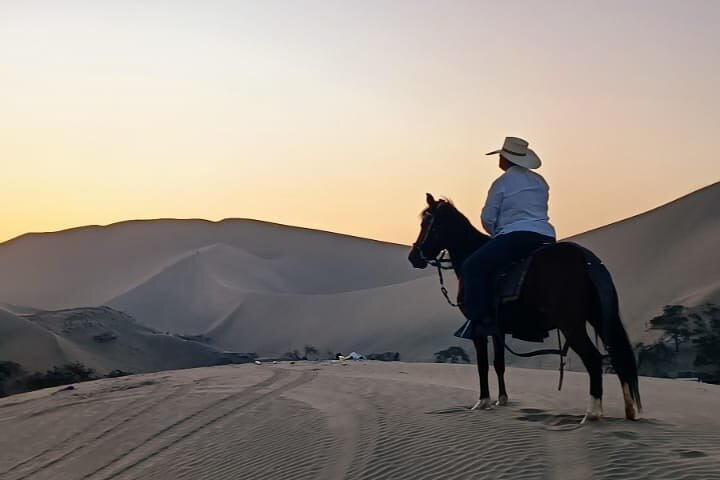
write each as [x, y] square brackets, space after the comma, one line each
[430, 241]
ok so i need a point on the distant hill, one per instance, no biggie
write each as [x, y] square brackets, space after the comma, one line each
[94, 265]
[99, 338]
[668, 255]
[259, 287]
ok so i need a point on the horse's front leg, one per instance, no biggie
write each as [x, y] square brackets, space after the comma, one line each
[499, 364]
[481, 351]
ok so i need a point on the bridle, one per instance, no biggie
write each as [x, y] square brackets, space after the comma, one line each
[440, 262]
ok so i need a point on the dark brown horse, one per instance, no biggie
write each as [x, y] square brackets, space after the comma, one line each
[557, 291]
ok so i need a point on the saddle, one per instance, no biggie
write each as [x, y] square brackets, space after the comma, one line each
[509, 279]
[511, 317]
[507, 285]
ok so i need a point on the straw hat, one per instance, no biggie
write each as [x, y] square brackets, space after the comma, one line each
[516, 150]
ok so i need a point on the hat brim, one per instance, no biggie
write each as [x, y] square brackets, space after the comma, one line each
[529, 160]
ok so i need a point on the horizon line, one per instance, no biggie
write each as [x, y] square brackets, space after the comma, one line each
[270, 222]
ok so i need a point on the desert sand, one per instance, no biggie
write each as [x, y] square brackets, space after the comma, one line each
[354, 420]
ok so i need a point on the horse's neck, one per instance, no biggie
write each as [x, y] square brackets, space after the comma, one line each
[463, 245]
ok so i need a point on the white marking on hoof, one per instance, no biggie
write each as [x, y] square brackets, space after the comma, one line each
[482, 404]
[502, 401]
[629, 407]
[594, 411]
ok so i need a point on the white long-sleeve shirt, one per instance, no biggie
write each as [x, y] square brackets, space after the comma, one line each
[517, 201]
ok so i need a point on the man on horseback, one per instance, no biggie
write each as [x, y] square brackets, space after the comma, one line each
[516, 217]
[565, 287]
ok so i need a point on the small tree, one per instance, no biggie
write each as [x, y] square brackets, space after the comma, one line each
[310, 351]
[708, 341]
[294, 355]
[453, 354]
[676, 324]
[649, 356]
[711, 310]
[708, 350]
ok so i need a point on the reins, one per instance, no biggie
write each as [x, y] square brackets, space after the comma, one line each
[562, 350]
[442, 263]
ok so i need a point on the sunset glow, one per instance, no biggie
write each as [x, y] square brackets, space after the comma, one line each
[341, 115]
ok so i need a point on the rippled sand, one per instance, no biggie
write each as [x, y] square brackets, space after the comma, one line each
[357, 420]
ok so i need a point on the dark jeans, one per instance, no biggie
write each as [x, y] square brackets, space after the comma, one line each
[480, 267]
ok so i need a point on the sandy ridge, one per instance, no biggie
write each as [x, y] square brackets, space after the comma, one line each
[86, 435]
[195, 422]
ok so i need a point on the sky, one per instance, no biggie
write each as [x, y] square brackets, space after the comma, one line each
[340, 115]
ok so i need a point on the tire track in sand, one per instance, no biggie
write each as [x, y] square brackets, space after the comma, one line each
[349, 415]
[201, 419]
[273, 438]
[84, 443]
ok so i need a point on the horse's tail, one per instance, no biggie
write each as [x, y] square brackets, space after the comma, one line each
[622, 357]
[608, 325]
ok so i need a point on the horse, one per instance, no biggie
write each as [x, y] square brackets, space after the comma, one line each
[557, 291]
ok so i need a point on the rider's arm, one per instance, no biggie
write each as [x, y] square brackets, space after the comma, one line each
[491, 210]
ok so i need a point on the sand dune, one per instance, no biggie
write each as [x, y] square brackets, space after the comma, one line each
[34, 347]
[362, 420]
[372, 321]
[412, 317]
[202, 287]
[209, 287]
[100, 338]
[93, 265]
[266, 288]
[666, 256]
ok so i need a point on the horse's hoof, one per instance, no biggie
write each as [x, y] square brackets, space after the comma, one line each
[482, 404]
[629, 407]
[502, 401]
[594, 412]
[591, 417]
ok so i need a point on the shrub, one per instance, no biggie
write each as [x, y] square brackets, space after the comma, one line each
[10, 374]
[452, 354]
[294, 355]
[105, 337]
[385, 357]
[9, 369]
[68, 373]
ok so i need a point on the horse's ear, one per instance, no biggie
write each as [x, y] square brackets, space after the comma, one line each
[430, 199]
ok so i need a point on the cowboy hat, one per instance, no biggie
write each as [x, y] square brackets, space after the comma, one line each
[516, 150]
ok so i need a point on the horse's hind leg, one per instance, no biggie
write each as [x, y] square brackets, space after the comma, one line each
[582, 345]
[499, 364]
[481, 351]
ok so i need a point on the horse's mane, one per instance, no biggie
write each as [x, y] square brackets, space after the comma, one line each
[443, 200]
[450, 206]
